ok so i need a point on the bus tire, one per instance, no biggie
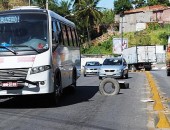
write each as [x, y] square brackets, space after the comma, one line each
[74, 83]
[168, 73]
[58, 84]
[114, 83]
[53, 99]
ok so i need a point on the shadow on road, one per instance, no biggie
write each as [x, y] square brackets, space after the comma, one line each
[82, 94]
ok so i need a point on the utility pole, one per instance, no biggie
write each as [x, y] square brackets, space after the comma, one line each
[122, 33]
[122, 15]
[46, 4]
[29, 2]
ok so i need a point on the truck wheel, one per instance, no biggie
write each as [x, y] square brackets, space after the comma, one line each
[109, 86]
[132, 68]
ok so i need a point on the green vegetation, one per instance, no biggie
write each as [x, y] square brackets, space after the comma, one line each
[155, 34]
[93, 21]
[103, 48]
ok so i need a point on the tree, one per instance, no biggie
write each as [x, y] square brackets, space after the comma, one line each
[156, 2]
[122, 5]
[63, 8]
[76, 1]
[88, 14]
[8, 4]
[107, 20]
[166, 2]
[40, 3]
[138, 3]
[108, 17]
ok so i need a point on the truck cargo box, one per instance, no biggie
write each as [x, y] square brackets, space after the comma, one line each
[140, 57]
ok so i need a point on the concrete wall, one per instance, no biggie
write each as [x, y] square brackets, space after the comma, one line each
[165, 16]
[130, 21]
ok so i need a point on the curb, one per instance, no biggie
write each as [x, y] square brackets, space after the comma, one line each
[160, 118]
[163, 121]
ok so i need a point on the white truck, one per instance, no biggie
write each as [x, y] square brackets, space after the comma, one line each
[140, 57]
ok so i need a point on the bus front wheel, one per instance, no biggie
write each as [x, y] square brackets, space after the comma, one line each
[74, 83]
[58, 84]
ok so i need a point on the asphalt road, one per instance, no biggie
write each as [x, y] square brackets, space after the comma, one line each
[87, 109]
[163, 83]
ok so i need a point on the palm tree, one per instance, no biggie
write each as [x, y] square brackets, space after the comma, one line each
[64, 8]
[40, 3]
[8, 4]
[88, 13]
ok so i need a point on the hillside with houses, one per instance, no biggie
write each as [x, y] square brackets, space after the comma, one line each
[148, 25]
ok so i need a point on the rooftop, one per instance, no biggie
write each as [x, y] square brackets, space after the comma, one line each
[147, 8]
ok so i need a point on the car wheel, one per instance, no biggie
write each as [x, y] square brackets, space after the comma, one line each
[126, 76]
[72, 87]
[84, 75]
[122, 77]
[100, 77]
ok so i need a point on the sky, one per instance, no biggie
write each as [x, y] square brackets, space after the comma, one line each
[103, 3]
[106, 4]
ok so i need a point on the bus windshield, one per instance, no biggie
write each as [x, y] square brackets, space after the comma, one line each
[22, 32]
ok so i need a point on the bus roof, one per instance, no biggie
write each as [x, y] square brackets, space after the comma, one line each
[38, 9]
[25, 7]
[61, 19]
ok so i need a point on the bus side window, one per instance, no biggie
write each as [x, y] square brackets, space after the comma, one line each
[60, 36]
[73, 36]
[64, 34]
[54, 33]
[55, 36]
[76, 38]
[70, 36]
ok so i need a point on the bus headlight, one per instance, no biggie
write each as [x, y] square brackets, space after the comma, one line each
[39, 69]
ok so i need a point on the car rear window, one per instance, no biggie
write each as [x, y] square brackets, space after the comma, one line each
[112, 62]
[92, 64]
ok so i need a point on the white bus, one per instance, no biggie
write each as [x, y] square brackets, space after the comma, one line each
[39, 52]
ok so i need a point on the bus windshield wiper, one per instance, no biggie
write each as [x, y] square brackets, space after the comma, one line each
[27, 46]
[5, 47]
